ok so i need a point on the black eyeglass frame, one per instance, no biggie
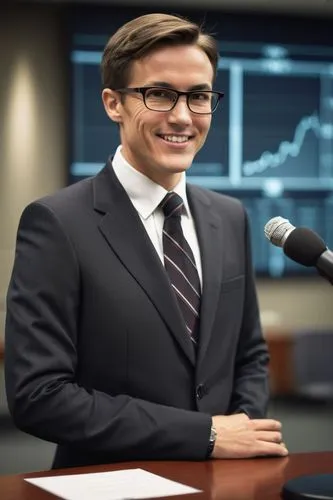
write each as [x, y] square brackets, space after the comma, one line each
[188, 93]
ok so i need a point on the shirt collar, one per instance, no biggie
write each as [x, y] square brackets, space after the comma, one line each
[144, 193]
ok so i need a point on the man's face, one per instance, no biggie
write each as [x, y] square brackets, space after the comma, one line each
[145, 133]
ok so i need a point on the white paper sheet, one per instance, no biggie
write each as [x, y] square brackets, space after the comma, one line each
[116, 485]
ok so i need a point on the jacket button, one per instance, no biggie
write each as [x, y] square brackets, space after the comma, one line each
[200, 391]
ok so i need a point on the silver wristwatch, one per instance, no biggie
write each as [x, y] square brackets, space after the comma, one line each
[212, 439]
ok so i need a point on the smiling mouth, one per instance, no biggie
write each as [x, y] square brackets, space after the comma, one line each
[176, 139]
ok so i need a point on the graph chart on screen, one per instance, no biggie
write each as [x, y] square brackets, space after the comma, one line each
[291, 148]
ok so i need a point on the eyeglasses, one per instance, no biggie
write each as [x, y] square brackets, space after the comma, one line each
[202, 102]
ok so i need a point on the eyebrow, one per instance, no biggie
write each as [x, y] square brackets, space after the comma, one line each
[200, 86]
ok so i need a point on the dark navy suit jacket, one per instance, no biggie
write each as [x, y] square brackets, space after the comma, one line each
[97, 358]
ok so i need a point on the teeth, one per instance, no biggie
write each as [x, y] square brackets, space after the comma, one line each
[175, 138]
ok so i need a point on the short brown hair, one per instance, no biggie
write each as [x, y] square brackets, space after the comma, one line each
[144, 34]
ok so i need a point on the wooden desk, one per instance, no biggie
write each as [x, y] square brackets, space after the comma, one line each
[258, 479]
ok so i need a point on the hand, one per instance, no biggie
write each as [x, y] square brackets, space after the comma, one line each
[240, 437]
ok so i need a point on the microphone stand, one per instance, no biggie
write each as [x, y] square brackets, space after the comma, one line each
[324, 265]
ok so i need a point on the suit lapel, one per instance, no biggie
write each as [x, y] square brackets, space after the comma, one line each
[124, 232]
[210, 231]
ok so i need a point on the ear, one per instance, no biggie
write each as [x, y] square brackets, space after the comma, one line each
[112, 104]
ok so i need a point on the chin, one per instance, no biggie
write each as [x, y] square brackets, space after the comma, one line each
[179, 163]
[177, 169]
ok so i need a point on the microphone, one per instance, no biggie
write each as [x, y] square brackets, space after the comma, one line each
[302, 245]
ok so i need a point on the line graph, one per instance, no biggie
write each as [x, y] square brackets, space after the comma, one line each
[292, 148]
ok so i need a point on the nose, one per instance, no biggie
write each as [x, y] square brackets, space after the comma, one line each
[180, 114]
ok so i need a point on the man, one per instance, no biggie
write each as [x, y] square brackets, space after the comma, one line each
[132, 328]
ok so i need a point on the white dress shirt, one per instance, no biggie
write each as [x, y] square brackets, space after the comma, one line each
[146, 196]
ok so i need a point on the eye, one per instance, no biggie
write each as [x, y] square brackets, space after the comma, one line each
[200, 96]
[159, 93]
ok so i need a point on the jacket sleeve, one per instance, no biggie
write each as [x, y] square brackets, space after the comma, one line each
[250, 388]
[41, 338]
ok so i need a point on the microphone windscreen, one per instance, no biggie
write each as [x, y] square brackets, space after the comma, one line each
[304, 246]
[277, 230]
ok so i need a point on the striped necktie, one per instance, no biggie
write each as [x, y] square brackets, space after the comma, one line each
[180, 264]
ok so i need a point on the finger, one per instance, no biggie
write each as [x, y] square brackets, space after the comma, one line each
[266, 424]
[270, 436]
[271, 449]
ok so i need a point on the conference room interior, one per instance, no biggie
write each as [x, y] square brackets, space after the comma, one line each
[36, 150]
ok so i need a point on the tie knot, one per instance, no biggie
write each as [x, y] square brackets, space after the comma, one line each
[172, 205]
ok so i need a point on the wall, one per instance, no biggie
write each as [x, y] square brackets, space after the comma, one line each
[33, 104]
[296, 304]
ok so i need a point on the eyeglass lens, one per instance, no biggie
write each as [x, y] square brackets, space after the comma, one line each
[164, 100]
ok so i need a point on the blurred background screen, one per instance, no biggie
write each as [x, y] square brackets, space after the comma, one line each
[271, 139]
